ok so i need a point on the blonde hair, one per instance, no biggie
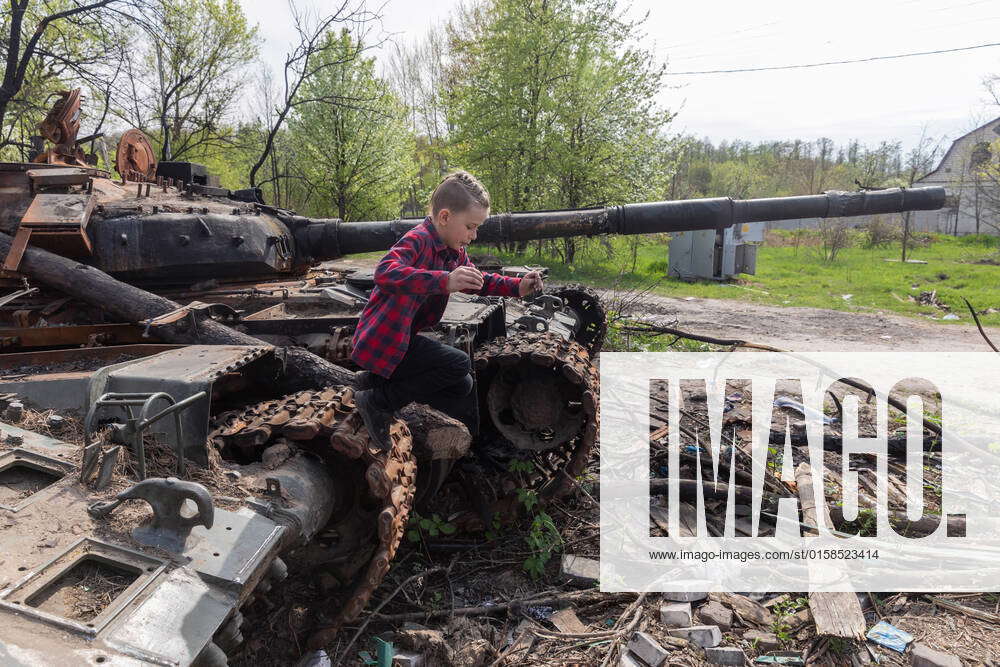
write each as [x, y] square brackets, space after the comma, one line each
[457, 192]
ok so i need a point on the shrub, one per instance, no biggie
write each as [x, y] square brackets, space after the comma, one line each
[879, 232]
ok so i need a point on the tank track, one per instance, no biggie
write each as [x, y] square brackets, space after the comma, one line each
[325, 422]
[571, 362]
[586, 303]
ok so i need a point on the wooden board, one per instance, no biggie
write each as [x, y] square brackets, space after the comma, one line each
[835, 614]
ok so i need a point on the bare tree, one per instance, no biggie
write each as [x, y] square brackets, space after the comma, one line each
[302, 62]
[53, 45]
[185, 83]
[919, 161]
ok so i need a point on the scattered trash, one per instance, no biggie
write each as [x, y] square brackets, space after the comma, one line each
[785, 402]
[889, 636]
[539, 613]
[781, 658]
[885, 337]
[318, 658]
[846, 297]
[930, 299]
[951, 316]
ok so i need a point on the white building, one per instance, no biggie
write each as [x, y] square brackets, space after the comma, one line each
[967, 210]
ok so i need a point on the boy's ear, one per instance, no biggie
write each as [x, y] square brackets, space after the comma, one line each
[444, 215]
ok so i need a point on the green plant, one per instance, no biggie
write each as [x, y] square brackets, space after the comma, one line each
[543, 540]
[495, 528]
[790, 606]
[432, 526]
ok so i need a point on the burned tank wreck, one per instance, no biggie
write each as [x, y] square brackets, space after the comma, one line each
[202, 340]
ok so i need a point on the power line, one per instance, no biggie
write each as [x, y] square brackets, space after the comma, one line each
[836, 62]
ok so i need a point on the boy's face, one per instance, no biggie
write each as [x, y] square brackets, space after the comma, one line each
[458, 230]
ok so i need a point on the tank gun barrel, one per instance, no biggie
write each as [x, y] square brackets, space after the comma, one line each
[329, 239]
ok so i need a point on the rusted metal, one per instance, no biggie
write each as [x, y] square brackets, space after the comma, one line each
[56, 222]
[61, 126]
[134, 158]
[326, 423]
[13, 259]
[76, 334]
[39, 361]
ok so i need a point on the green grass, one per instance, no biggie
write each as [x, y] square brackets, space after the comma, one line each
[793, 275]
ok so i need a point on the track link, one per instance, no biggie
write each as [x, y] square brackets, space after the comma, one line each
[555, 466]
[327, 420]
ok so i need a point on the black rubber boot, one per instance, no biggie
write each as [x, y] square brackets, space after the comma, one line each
[364, 380]
[376, 421]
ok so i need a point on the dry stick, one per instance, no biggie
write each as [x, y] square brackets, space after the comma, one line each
[426, 573]
[962, 609]
[657, 329]
[735, 342]
[637, 607]
[492, 609]
[979, 326]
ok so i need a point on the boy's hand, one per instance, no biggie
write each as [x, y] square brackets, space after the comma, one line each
[530, 283]
[465, 278]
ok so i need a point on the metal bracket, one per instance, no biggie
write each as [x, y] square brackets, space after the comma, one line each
[168, 529]
[532, 323]
[195, 312]
[546, 303]
[135, 427]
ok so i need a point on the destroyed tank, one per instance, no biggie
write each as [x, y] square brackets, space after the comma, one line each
[239, 473]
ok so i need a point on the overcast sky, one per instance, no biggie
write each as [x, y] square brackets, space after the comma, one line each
[875, 101]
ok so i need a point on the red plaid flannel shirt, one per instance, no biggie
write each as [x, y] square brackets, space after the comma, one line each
[410, 294]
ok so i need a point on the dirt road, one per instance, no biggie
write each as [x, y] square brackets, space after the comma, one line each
[791, 328]
[809, 329]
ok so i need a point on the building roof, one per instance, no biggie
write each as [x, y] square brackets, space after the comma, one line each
[950, 153]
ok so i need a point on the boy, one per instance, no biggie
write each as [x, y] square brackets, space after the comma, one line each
[412, 284]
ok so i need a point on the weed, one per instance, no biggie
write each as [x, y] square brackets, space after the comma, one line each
[432, 526]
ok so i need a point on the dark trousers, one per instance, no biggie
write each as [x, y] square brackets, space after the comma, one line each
[432, 373]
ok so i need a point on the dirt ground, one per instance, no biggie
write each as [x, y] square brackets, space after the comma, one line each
[790, 328]
[807, 329]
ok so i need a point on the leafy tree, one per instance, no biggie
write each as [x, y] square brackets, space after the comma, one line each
[305, 60]
[184, 87]
[354, 147]
[552, 105]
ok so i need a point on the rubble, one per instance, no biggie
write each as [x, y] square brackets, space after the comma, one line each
[629, 660]
[922, 655]
[580, 568]
[701, 635]
[685, 597]
[676, 615]
[566, 620]
[713, 613]
[725, 655]
[762, 641]
[647, 649]
[747, 609]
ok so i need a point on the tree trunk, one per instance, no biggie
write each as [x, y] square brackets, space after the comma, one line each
[906, 233]
[303, 369]
[435, 434]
